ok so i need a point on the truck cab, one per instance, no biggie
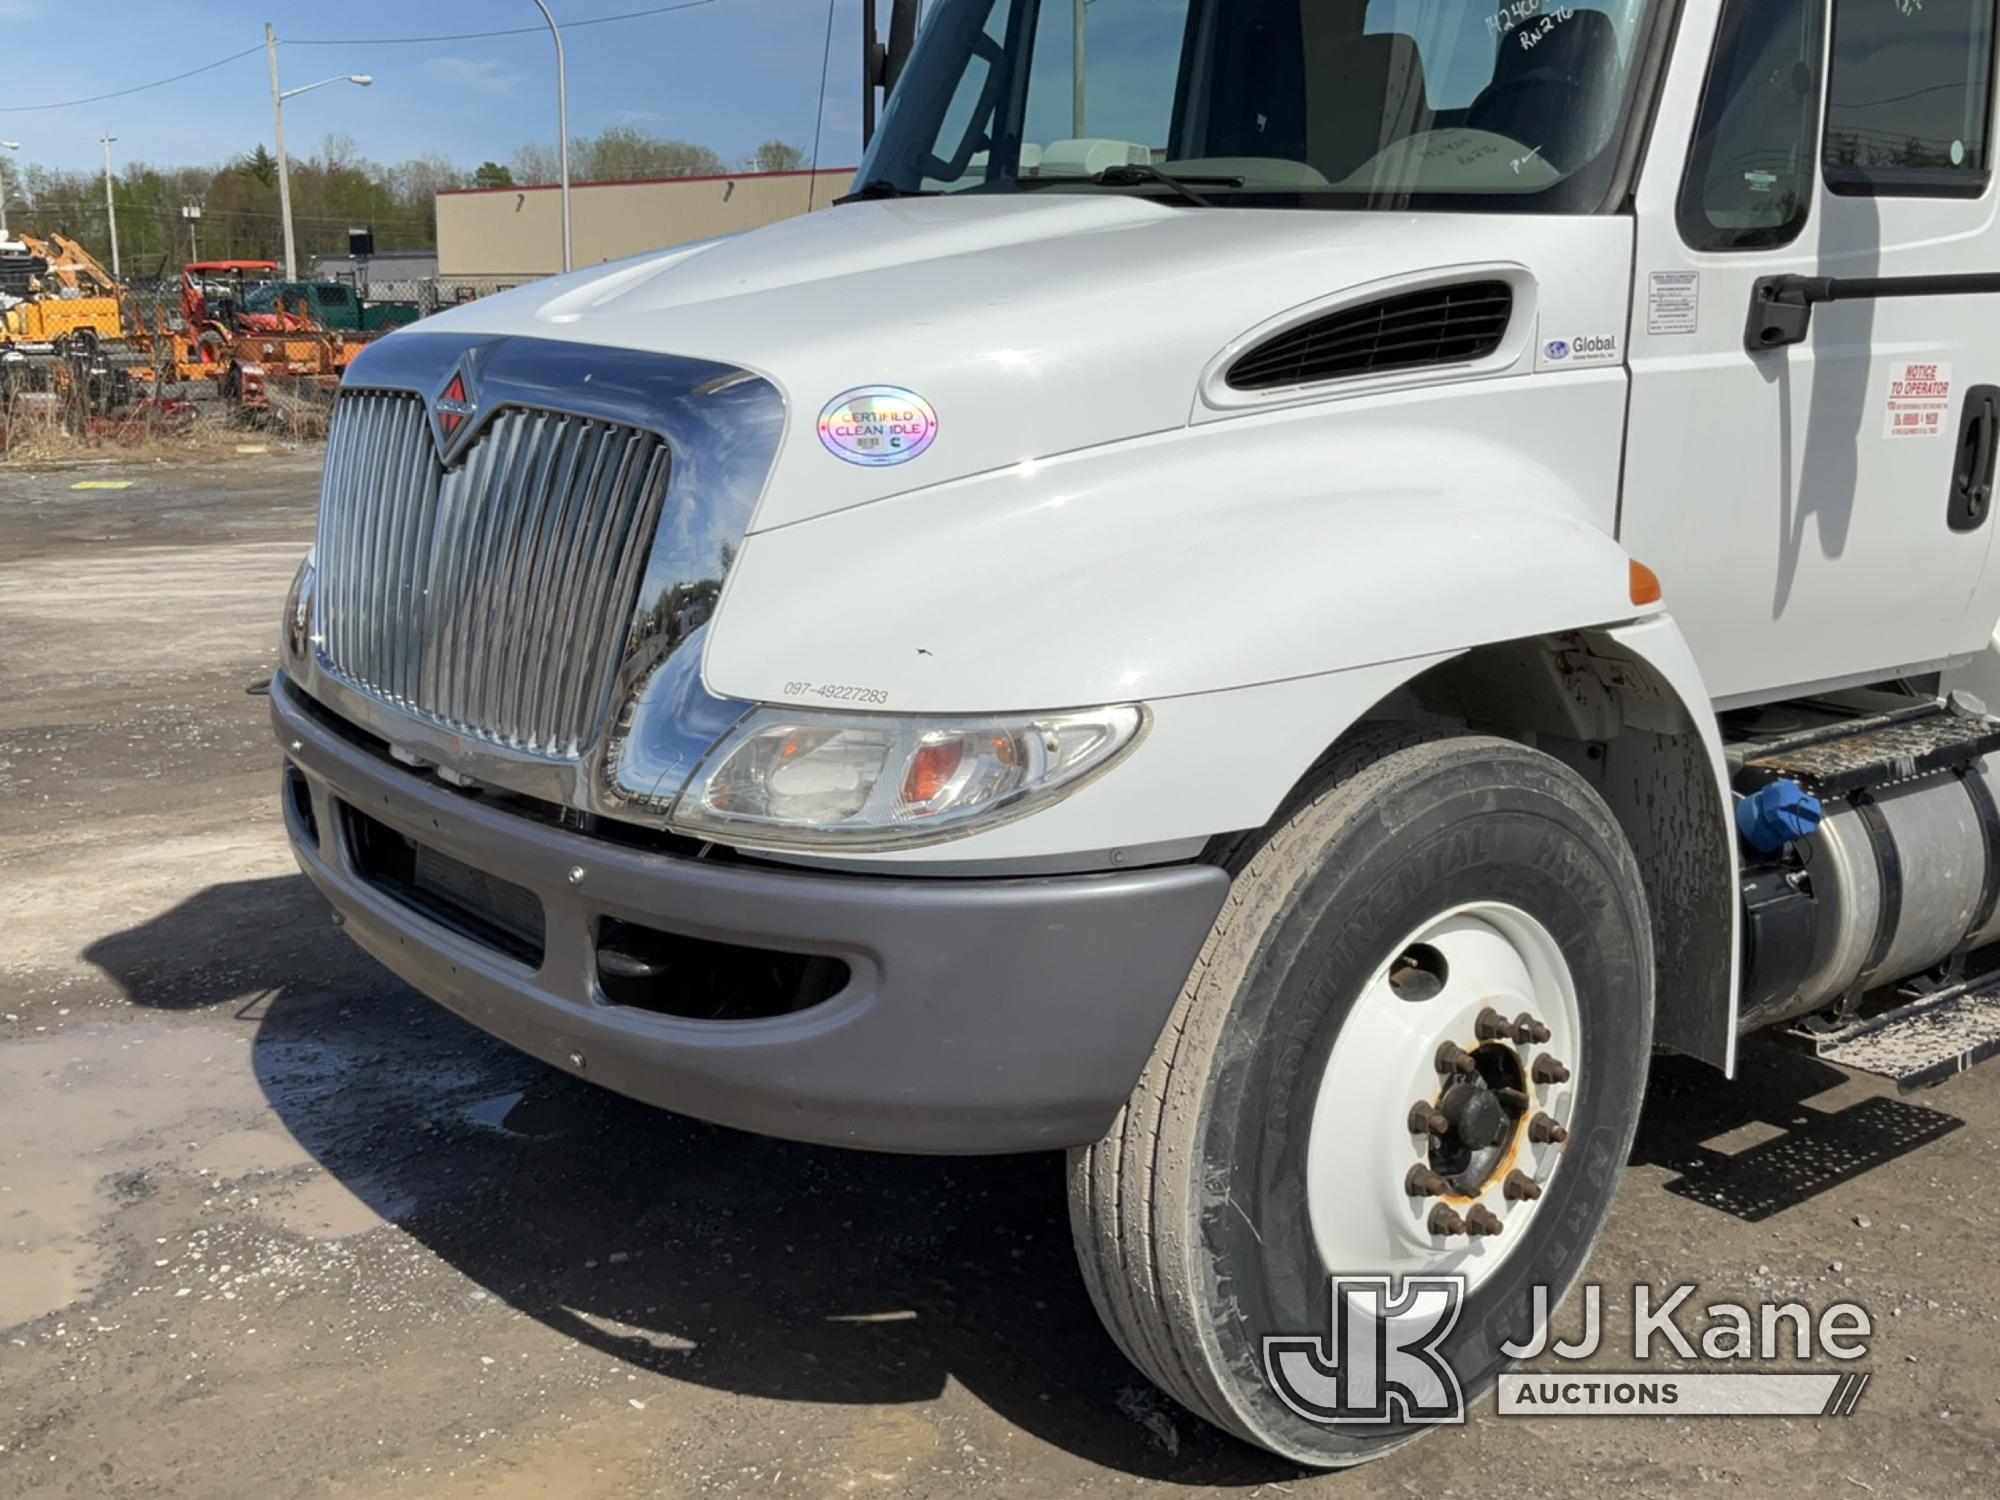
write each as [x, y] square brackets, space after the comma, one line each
[1285, 592]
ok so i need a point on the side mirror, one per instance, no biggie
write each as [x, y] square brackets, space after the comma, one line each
[882, 63]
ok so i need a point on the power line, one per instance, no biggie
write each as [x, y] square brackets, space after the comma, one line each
[375, 41]
[473, 36]
[137, 88]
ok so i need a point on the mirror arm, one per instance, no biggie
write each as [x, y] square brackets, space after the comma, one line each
[1781, 306]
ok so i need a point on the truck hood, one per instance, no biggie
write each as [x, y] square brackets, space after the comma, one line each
[1032, 325]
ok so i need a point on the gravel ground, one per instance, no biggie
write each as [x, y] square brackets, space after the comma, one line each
[273, 1225]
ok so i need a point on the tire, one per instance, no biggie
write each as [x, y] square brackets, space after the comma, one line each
[1194, 1226]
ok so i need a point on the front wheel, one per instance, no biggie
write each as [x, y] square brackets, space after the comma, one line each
[1415, 1044]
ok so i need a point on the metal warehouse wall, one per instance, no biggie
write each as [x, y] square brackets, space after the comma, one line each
[514, 234]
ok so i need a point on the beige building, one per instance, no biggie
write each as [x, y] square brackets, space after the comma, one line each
[515, 234]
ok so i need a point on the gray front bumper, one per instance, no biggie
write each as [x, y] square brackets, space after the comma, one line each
[981, 1015]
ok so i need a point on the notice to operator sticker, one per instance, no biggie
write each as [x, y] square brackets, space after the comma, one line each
[1919, 401]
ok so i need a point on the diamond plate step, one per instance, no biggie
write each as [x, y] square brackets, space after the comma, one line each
[1922, 1043]
[1837, 761]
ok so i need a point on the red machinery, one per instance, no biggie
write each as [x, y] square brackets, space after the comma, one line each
[212, 322]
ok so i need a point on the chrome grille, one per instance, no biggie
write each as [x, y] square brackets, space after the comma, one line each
[491, 598]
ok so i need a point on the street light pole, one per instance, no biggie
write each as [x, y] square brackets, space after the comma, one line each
[5, 146]
[278, 98]
[110, 204]
[284, 168]
[1077, 96]
[562, 124]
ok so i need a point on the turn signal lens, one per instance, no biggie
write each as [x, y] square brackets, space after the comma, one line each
[1645, 585]
[787, 779]
[931, 770]
[297, 625]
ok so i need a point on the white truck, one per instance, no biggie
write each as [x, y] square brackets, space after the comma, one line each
[1273, 601]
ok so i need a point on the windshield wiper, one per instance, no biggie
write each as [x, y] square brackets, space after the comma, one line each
[882, 187]
[1136, 174]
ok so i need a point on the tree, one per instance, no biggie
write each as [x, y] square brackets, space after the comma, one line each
[492, 175]
[620, 154]
[260, 164]
[777, 156]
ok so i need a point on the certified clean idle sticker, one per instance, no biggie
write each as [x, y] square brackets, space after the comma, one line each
[876, 425]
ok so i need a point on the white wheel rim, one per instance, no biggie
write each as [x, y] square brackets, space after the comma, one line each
[1364, 1143]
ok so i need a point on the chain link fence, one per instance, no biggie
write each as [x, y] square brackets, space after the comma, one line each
[156, 299]
[431, 293]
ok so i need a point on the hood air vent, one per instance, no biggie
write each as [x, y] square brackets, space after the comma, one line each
[1441, 325]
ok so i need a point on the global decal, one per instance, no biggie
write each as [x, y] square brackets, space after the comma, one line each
[1558, 349]
[878, 425]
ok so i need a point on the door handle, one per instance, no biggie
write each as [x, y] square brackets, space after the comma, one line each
[1972, 471]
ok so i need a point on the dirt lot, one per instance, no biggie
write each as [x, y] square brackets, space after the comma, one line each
[271, 1224]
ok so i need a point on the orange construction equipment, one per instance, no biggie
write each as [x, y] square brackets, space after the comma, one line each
[77, 304]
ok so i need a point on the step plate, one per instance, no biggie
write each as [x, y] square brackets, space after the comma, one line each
[1912, 745]
[1925, 1043]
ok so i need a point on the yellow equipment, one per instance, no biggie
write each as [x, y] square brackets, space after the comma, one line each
[79, 303]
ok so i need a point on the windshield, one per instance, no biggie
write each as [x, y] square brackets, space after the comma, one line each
[1498, 105]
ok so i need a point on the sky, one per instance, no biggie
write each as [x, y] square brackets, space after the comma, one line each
[727, 73]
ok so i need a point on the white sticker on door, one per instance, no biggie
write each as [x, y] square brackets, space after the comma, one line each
[1919, 401]
[1673, 302]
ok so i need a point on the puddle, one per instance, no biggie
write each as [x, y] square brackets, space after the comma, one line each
[82, 1107]
[86, 1113]
[492, 1113]
[332, 1208]
[538, 1112]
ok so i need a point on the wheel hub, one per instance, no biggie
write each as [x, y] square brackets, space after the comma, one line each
[1477, 1120]
[1483, 1116]
[1477, 1015]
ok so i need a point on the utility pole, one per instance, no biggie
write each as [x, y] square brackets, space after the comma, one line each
[192, 213]
[110, 204]
[5, 146]
[284, 167]
[278, 98]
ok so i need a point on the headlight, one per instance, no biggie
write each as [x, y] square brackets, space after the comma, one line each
[297, 627]
[789, 779]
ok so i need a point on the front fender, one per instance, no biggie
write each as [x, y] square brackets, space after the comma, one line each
[1262, 584]
[1201, 560]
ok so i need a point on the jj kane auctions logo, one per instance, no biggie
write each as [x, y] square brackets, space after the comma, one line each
[1382, 1360]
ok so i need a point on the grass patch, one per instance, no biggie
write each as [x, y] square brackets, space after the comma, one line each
[44, 427]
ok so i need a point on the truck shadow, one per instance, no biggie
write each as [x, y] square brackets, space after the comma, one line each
[801, 1273]
[780, 1271]
[1790, 1151]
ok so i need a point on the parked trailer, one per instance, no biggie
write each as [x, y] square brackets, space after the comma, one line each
[1279, 620]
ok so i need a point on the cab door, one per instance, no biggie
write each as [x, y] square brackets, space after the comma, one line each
[1805, 506]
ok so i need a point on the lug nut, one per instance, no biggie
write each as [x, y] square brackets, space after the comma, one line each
[1445, 1223]
[1548, 1070]
[1513, 1101]
[1544, 1131]
[1520, 1187]
[1492, 1026]
[1483, 1221]
[1424, 1183]
[1453, 1058]
[1427, 1119]
[1528, 1030]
